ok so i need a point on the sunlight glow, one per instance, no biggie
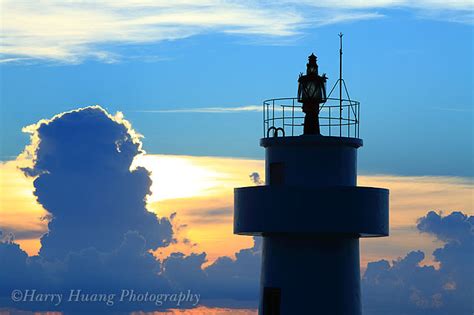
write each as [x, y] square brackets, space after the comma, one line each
[177, 177]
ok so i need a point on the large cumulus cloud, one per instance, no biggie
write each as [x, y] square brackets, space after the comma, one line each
[99, 232]
[406, 287]
[82, 162]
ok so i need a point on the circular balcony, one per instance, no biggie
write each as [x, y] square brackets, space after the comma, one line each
[280, 209]
[337, 117]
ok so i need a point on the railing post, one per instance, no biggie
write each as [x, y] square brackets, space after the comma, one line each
[263, 110]
[340, 118]
[349, 120]
[268, 115]
[273, 113]
[283, 106]
[329, 120]
[292, 116]
[358, 120]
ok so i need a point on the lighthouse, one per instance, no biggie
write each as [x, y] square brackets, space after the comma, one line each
[311, 213]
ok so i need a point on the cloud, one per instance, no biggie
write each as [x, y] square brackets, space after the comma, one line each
[236, 278]
[255, 177]
[207, 110]
[100, 234]
[18, 271]
[72, 31]
[82, 161]
[361, 4]
[456, 110]
[211, 215]
[227, 282]
[226, 279]
[130, 266]
[406, 287]
[76, 30]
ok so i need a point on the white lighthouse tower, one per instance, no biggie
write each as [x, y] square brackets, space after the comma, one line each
[311, 213]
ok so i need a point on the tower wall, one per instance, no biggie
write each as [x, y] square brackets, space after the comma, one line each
[314, 272]
[313, 161]
[310, 214]
[315, 275]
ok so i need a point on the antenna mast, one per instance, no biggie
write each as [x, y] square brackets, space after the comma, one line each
[343, 101]
[340, 84]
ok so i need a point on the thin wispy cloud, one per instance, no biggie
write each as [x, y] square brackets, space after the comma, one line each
[342, 17]
[72, 31]
[206, 110]
[370, 4]
[454, 109]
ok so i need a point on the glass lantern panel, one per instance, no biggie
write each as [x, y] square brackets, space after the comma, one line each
[313, 90]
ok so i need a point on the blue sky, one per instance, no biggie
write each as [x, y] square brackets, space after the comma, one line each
[410, 65]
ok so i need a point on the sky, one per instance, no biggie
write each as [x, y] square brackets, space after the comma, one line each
[409, 63]
[179, 87]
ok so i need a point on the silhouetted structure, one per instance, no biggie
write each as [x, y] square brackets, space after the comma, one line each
[310, 213]
[311, 92]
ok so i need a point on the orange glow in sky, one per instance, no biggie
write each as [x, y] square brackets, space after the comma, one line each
[203, 311]
[200, 191]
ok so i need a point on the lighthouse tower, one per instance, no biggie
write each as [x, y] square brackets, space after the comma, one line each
[311, 213]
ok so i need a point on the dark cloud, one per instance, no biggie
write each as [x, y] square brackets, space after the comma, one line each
[211, 213]
[227, 282]
[236, 279]
[211, 216]
[13, 262]
[129, 266]
[22, 234]
[406, 287]
[18, 271]
[255, 178]
[82, 163]
[226, 279]
[99, 231]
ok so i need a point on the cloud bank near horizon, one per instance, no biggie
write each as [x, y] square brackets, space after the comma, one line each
[85, 155]
[405, 286]
[73, 31]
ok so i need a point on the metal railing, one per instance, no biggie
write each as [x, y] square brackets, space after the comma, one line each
[337, 117]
